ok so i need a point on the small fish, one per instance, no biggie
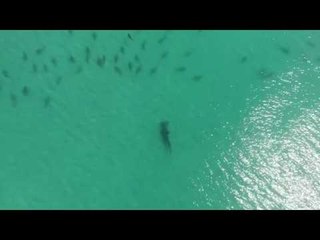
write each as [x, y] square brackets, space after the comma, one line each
[45, 68]
[136, 58]
[164, 133]
[79, 69]
[88, 54]
[284, 50]
[129, 36]
[197, 78]
[115, 58]
[58, 80]
[54, 61]
[161, 40]
[118, 70]
[34, 68]
[70, 32]
[72, 59]
[143, 45]
[40, 50]
[243, 59]
[138, 69]
[122, 50]
[5, 73]
[311, 44]
[94, 36]
[24, 56]
[187, 54]
[13, 99]
[153, 70]
[130, 66]
[264, 74]
[25, 91]
[180, 69]
[101, 61]
[47, 101]
[164, 55]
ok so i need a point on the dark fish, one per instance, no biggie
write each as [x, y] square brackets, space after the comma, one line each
[267, 75]
[130, 66]
[54, 61]
[164, 54]
[129, 36]
[5, 73]
[88, 54]
[40, 50]
[47, 101]
[136, 58]
[143, 45]
[115, 58]
[25, 91]
[58, 80]
[153, 70]
[45, 68]
[72, 59]
[180, 69]
[243, 59]
[101, 61]
[138, 69]
[118, 70]
[197, 78]
[34, 68]
[161, 40]
[164, 133]
[94, 36]
[122, 50]
[79, 69]
[264, 74]
[70, 32]
[24, 56]
[13, 99]
[187, 54]
[284, 50]
[311, 44]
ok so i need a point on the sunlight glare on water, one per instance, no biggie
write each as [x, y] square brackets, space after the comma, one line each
[275, 156]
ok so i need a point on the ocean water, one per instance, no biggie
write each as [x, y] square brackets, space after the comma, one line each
[81, 113]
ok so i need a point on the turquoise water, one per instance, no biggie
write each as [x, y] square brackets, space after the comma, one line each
[80, 115]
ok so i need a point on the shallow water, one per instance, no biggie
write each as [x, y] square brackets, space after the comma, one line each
[80, 115]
